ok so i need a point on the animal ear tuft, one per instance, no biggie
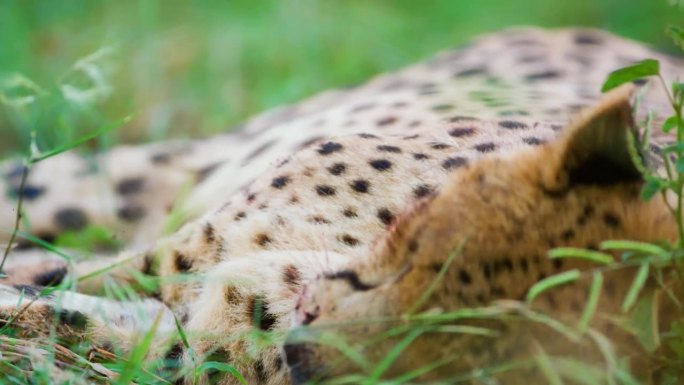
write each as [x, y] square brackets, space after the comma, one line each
[595, 148]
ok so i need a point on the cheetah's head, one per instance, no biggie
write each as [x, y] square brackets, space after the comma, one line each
[483, 238]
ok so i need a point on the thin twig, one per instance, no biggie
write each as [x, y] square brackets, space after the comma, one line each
[20, 201]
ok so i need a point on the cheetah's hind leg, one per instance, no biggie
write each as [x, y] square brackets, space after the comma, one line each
[59, 321]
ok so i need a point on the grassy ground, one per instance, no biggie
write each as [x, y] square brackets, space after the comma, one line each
[185, 69]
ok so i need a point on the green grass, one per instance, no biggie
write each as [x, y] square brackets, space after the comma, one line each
[186, 69]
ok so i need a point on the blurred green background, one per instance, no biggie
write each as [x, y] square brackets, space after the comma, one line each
[192, 68]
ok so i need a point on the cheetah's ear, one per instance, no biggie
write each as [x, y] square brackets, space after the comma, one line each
[595, 148]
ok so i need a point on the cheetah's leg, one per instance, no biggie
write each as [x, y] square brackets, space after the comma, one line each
[40, 267]
[72, 317]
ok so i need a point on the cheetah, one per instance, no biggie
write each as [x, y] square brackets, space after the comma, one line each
[436, 188]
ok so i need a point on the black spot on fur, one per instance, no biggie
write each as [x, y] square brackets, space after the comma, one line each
[28, 290]
[319, 220]
[337, 169]
[611, 220]
[360, 185]
[260, 372]
[148, 261]
[182, 262]
[350, 213]
[262, 239]
[209, 233]
[567, 235]
[440, 146]
[29, 193]
[412, 246]
[160, 158]
[291, 275]
[231, 295]
[459, 118]
[464, 277]
[325, 190]
[442, 107]
[486, 270]
[73, 318]
[422, 191]
[557, 263]
[461, 132]
[367, 136]
[583, 38]
[387, 148]
[420, 156]
[329, 148]
[129, 186]
[239, 216]
[454, 162]
[257, 309]
[131, 213]
[544, 75]
[386, 121]
[51, 277]
[385, 216]
[71, 218]
[470, 72]
[381, 164]
[363, 107]
[532, 141]
[512, 125]
[348, 240]
[351, 278]
[280, 182]
[485, 147]
[175, 353]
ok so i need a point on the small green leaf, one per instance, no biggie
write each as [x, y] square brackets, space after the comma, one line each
[674, 148]
[635, 288]
[676, 34]
[642, 69]
[552, 281]
[676, 342]
[670, 123]
[645, 321]
[592, 302]
[589, 255]
[679, 166]
[652, 187]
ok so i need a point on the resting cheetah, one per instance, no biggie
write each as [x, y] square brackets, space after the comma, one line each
[347, 207]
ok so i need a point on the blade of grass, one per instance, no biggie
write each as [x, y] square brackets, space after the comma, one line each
[588, 255]
[136, 357]
[552, 281]
[641, 247]
[592, 303]
[35, 158]
[435, 282]
[636, 287]
[392, 356]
